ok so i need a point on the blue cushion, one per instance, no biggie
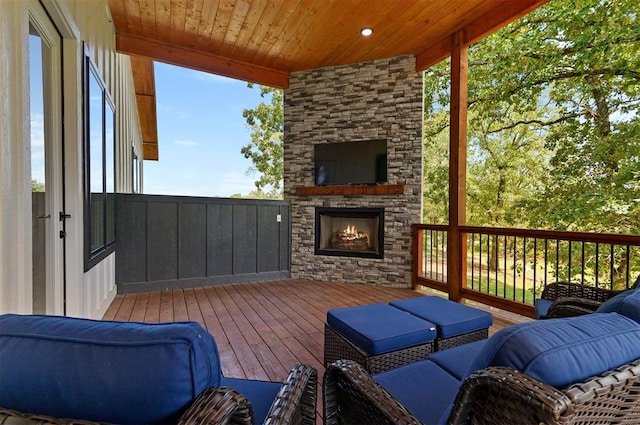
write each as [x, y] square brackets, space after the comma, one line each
[380, 328]
[626, 303]
[104, 371]
[564, 351]
[456, 360]
[425, 389]
[542, 306]
[261, 394]
[451, 318]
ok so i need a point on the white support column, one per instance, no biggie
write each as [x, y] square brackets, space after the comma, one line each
[15, 161]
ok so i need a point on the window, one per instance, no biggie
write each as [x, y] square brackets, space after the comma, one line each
[99, 176]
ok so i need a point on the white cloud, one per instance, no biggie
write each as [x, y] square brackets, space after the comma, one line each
[186, 143]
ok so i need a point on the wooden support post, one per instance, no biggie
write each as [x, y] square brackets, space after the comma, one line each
[456, 246]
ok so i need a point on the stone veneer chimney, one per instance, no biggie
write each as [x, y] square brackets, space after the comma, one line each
[366, 101]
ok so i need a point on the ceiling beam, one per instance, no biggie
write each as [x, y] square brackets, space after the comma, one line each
[202, 61]
[145, 87]
[486, 24]
[150, 151]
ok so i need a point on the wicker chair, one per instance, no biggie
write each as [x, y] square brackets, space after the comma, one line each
[120, 372]
[295, 404]
[490, 396]
[573, 299]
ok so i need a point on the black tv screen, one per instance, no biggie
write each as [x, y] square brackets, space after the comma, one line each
[345, 163]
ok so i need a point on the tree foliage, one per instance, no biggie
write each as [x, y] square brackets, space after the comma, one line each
[554, 129]
[553, 125]
[265, 150]
[36, 186]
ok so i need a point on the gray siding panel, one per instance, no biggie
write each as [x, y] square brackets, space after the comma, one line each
[219, 240]
[268, 238]
[244, 238]
[132, 219]
[284, 251]
[192, 248]
[162, 240]
[180, 242]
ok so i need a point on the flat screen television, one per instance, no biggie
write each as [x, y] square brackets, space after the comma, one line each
[345, 163]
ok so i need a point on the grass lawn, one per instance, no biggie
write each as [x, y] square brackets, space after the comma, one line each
[482, 284]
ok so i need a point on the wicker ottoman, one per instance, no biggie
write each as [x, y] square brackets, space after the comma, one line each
[377, 336]
[456, 323]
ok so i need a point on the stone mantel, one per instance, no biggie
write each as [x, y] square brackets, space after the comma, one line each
[351, 190]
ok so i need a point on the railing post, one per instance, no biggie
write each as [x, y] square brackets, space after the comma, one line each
[456, 244]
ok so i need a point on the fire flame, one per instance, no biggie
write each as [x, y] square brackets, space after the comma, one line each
[351, 233]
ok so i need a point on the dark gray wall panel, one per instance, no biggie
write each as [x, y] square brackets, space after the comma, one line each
[192, 240]
[219, 239]
[284, 251]
[162, 240]
[131, 263]
[268, 238]
[181, 242]
[244, 238]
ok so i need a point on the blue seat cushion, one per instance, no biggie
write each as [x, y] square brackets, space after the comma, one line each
[261, 394]
[451, 318]
[542, 306]
[424, 388]
[125, 373]
[560, 352]
[456, 360]
[379, 328]
[626, 303]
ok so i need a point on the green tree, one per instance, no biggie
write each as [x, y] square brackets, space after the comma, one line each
[258, 194]
[554, 121]
[577, 61]
[36, 186]
[266, 147]
[435, 158]
[567, 76]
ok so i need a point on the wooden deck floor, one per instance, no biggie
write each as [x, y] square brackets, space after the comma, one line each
[262, 329]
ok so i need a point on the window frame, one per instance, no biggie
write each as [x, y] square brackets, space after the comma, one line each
[94, 252]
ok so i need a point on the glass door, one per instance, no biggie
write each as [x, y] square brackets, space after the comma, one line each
[45, 85]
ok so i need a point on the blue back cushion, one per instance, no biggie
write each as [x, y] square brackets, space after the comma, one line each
[542, 306]
[379, 328]
[104, 371]
[560, 352]
[626, 303]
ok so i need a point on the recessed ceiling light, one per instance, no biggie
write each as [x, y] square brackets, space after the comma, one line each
[366, 32]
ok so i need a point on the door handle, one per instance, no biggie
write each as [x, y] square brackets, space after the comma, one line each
[44, 216]
[64, 216]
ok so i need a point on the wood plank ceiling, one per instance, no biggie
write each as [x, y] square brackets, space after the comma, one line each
[263, 41]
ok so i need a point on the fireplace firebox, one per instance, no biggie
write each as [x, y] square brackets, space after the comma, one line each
[350, 232]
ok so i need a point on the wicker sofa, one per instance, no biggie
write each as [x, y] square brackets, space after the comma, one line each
[583, 369]
[52, 368]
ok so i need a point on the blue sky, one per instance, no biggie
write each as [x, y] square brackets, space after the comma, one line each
[201, 131]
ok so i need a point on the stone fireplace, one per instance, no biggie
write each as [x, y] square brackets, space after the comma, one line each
[379, 100]
[349, 232]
